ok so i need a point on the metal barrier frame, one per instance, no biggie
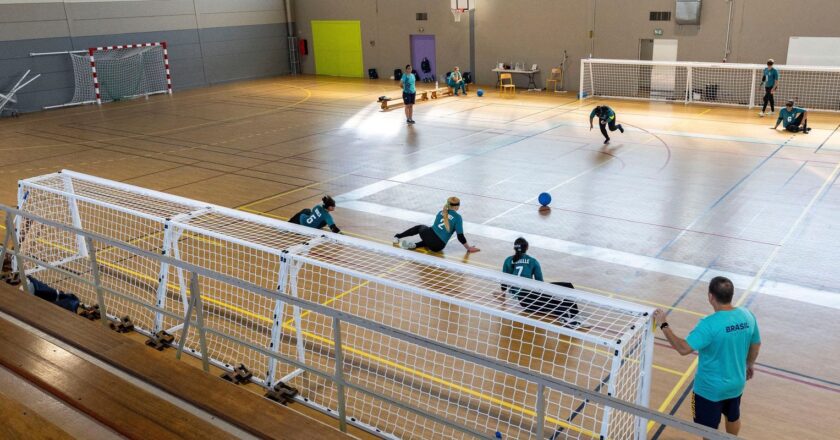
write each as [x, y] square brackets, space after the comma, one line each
[11, 245]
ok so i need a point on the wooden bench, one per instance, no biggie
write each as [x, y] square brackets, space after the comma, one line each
[389, 103]
[20, 422]
[236, 405]
[110, 400]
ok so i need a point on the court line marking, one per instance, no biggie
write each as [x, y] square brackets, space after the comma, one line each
[757, 278]
[684, 270]
[704, 112]
[565, 182]
[401, 178]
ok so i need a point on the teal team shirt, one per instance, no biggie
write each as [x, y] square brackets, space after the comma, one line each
[770, 77]
[319, 218]
[788, 116]
[723, 340]
[526, 266]
[610, 114]
[408, 83]
[455, 225]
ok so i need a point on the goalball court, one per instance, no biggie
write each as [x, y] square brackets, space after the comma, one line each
[285, 142]
[170, 210]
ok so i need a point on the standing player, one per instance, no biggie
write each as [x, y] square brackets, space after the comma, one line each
[409, 92]
[606, 118]
[434, 238]
[317, 217]
[770, 79]
[793, 118]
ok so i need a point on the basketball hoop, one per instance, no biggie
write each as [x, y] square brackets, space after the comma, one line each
[458, 12]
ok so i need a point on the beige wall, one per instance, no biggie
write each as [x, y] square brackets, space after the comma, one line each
[537, 31]
[389, 23]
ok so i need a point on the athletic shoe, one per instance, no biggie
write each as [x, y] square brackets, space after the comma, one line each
[761, 114]
[405, 244]
[606, 142]
[620, 128]
[771, 112]
[411, 121]
[396, 240]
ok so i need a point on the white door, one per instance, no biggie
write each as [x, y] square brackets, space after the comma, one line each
[663, 78]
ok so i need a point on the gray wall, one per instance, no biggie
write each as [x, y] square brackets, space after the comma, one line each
[537, 31]
[210, 41]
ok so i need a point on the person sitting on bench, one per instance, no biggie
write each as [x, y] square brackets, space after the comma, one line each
[793, 118]
[523, 265]
[456, 81]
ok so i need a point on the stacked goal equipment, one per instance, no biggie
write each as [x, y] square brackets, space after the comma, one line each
[119, 72]
[426, 348]
[811, 87]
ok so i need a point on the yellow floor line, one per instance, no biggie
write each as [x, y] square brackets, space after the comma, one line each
[292, 191]
[667, 402]
[657, 367]
[446, 383]
[704, 112]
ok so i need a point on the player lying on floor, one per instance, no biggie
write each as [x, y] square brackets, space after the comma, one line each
[317, 217]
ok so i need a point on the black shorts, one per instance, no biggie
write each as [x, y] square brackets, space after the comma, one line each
[430, 239]
[708, 413]
[408, 98]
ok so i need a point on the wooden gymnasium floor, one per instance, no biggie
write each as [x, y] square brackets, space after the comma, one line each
[688, 192]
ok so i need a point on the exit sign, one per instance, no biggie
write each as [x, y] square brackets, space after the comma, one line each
[657, 32]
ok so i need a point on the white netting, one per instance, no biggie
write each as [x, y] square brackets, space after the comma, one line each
[452, 305]
[816, 88]
[122, 73]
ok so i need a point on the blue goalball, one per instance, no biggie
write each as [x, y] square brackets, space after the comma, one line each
[545, 199]
[480, 92]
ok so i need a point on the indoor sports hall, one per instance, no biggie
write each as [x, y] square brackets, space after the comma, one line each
[420, 219]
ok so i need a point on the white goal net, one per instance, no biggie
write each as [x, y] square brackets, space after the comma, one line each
[390, 386]
[812, 87]
[114, 73]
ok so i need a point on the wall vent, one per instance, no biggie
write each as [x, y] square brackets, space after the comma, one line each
[660, 15]
[422, 16]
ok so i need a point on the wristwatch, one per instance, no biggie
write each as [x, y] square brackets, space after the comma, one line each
[663, 326]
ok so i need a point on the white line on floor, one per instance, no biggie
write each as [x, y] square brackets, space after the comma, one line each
[641, 262]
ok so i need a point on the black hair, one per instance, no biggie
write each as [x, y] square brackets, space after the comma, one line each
[407, 66]
[328, 201]
[790, 103]
[520, 246]
[722, 289]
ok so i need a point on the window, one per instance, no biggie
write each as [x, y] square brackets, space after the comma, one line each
[660, 15]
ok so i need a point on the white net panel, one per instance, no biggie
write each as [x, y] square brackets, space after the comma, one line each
[449, 304]
[812, 87]
[122, 74]
[84, 91]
